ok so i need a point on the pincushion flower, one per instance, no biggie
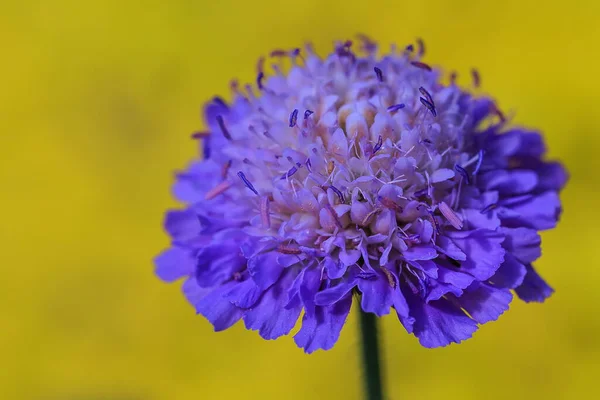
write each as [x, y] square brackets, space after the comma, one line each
[360, 178]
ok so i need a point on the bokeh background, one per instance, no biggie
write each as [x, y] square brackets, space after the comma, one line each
[97, 101]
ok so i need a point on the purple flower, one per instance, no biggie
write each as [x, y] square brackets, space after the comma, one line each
[431, 211]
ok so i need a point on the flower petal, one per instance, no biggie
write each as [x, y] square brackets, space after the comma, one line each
[264, 269]
[510, 274]
[270, 316]
[439, 322]
[322, 330]
[484, 303]
[174, 263]
[212, 304]
[533, 288]
[420, 253]
[483, 249]
[245, 294]
[523, 243]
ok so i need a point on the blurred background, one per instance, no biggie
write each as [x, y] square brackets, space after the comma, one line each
[97, 102]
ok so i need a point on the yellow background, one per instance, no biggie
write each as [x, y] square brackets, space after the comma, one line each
[97, 101]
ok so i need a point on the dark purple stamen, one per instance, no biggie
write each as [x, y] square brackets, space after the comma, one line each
[338, 192]
[379, 74]
[296, 51]
[429, 106]
[489, 208]
[396, 107]
[479, 161]
[427, 141]
[476, 77]
[247, 182]
[425, 93]
[278, 53]
[308, 165]
[453, 76]
[223, 127]
[307, 113]
[259, 80]
[435, 223]
[200, 135]
[206, 149]
[463, 172]
[291, 172]
[410, 48]
[421, 65]
[378, 144]
[293, 117]
[421, 46]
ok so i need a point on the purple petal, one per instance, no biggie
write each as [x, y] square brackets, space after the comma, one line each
[212, 304]
[174, 263]
[523, 243]
[335, 293]
[441, 175]
[483, 249]
[264, 269]
[322, 330]
[510, 274]
[310, 285]
[485, 303]
[335, 268]
[533, 288]
[476, 220]
[270, 316]
[377, 294]
[182, 224]
[420, 253]
[551, 176]
[245, 294]
[439, 322]
[509, 182]
[536, 211]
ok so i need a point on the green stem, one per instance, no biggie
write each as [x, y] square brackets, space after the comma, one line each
[370, 348]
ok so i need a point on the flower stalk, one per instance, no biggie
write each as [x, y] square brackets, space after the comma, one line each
[370, 354]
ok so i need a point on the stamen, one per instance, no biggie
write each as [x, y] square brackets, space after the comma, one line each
[378, 144]
[308, 165]
[453, 76]
[291, 172]
[476, 77]
[368, 216]
[278, 53]
[489, 208]
[420, 46]
[389, 277]
[338, 192]
[410, 48]
[434, 221]
[293, 117]
[288, 249]
[334, 215]
[259, 80]
[389, 203]
[463, 172]
[396, 107]
[421, 65]
[426, 94]
[225, 169]
[479, 162]
[217, 190]
[430, 106]
[368, 44]
[295, 52]
[247, 182]
[265, 214]
[450, 215]
[307, 113]
[379, 74]
[223, 128]
[200, 135]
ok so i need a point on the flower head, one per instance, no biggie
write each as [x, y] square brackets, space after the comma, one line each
[360, 174]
